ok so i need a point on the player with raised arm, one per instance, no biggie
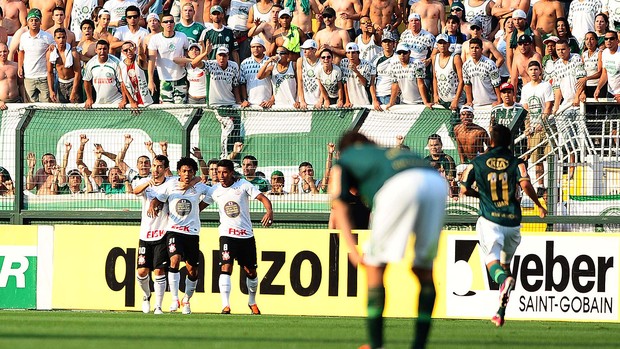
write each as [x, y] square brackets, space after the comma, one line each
[498, 174]
[152, 254]
[186, 197]
[405, 195]
[232, 196]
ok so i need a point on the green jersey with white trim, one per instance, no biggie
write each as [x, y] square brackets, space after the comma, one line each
[367, 167]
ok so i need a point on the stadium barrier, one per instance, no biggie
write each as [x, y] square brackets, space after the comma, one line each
[559, 276]
[283, 138]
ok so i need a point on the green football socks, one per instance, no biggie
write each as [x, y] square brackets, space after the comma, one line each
[498, 274]
[376, 303]
[426, 303]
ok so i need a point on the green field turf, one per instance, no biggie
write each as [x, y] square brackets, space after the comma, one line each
[66, 329]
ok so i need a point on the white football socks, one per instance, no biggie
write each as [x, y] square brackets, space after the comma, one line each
[225, 289]
[252, 287]
[160, 289]
[173, 281]
[190, 287]
[144, 285]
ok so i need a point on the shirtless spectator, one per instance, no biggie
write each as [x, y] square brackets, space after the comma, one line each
[384, 14]
[47, 8]
[59, 22]
[331, 37]
[288, 35]
[521, 61]
[519, 19]
[432, 14]
[98, 175]
[504, 8]
[86, 46]
[102, 30]
[154, 27]
[6, 183]
[303, 12]
[14, 15]
[11, 85]
[347, 12]
[544, 15]
[266, 30]
[48, 178]
[488, 49]
[63, 62]
[33, 45]
[470, 138]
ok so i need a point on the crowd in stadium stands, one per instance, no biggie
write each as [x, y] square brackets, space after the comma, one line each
[543, 56]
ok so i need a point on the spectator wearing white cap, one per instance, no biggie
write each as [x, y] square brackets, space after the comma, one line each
[481, 77]
[283, 74]
[195, 65]
[219, 35]
[383, 64]
[544, 15]
[358, 76]
[223, 80]
[288, 35]
[331, 37]
[255, 91]
[471, 139]
[419, 41]
[581, 16]
[173, 80]
[448, 84]
[329, 78]
[432, 13]
[308, 91]
[519, 19]
[369, 41]
[103, 31]
[503, 9]
[550, 57]
[408, 76]
[479, 12]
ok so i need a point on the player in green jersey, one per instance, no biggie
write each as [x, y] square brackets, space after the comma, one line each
[405, 195]
[498, 175]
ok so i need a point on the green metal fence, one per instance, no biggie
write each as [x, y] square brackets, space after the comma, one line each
[280, 139]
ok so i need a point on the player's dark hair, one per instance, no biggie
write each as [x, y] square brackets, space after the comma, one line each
[352, 137]
[103, 42]
[162, 158]
[475, 41]
[132, 8]
[252, 158]
[305, 163]
[500, 136]
[58, 8]
[435, 136]
[187, 161]
[60, 30]
[229, 165]
[212, 161]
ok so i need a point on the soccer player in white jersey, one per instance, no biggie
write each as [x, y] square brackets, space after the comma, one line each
[185, 204]
[232, 196]
[152, 253]
[103, 74]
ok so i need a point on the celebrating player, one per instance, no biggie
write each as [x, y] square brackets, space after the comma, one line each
[405, 194]
[236, 236]
[152, 253]
[185, 201]
[497, 174]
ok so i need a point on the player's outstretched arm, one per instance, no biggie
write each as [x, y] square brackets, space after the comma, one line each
[268, 217]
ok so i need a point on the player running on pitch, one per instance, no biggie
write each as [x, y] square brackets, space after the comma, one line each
[406, 195]
[497, 174]
[232, 196]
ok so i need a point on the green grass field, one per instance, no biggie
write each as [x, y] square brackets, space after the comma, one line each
[73, 329]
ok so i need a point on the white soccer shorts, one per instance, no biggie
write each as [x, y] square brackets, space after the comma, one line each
[411, 201]
[497, 242]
